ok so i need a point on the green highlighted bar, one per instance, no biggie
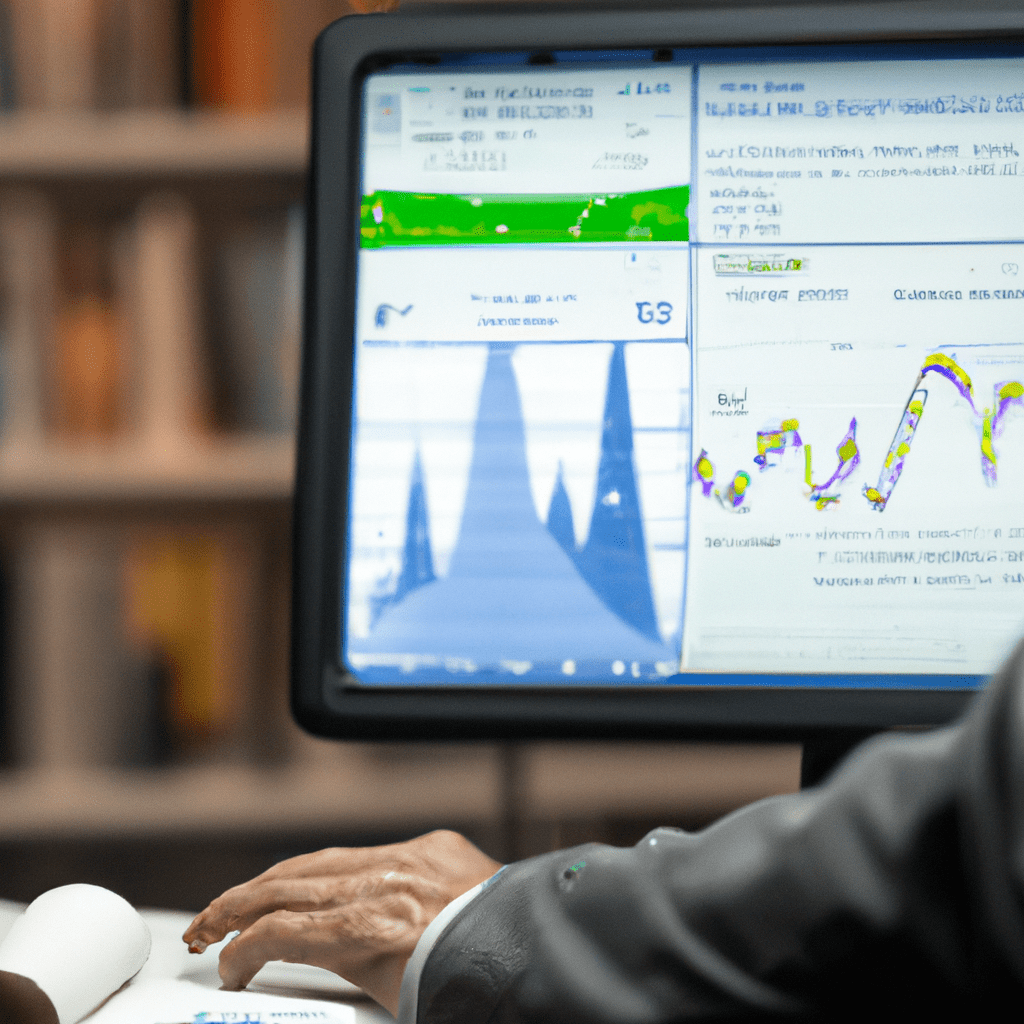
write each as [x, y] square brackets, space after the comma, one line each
[414, 218]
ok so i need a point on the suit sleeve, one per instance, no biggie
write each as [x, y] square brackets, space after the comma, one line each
[899, 879]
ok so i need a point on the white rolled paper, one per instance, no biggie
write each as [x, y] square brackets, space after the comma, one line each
[78, 943]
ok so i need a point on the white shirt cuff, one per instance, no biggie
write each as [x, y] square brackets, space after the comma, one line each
[409, 995]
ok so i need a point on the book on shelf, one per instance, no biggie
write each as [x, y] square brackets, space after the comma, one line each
[87, 361]
[242, 55]
[61, 328]
[170, 602]
[119, 327]
[290, 346]
[100, 324]
[27, 287]
[249, 55]
[96, 53]
[255, 316]
[232, 57]
[8, 76]
[68, 701]
[133, 648]
[139, 54]
[53, 53]
[172, 393]
[189, 602]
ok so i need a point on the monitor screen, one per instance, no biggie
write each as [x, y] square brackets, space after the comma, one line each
[682, 368]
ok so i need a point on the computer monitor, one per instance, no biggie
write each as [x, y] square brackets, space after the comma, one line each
[664, 370]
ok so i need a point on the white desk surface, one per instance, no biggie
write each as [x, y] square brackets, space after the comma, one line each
[176, 986]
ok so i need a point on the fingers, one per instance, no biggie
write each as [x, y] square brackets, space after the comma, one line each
[213, 923]
[283, 935]
[238, 908]
[309, 882]
[357, 912]
[314, 881]
[367, 942]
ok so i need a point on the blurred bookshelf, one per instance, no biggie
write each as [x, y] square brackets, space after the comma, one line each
[234, 469]
[150, 268]
[62, 146]
[152, 165]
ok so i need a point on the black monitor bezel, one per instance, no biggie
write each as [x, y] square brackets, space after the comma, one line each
[324, 699]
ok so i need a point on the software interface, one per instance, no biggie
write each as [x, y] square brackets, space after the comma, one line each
[699, 366]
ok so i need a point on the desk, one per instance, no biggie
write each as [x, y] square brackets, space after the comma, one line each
[176, 986]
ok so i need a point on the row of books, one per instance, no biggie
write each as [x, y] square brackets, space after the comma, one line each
[110, 54]
[162, 645]
[146, 323]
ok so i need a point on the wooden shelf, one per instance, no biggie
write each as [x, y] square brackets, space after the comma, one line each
[110, 803]
[146, 144]
[595, 779]
[214, 468]
[359, 785]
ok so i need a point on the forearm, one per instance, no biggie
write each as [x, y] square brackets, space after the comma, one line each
[896, 876]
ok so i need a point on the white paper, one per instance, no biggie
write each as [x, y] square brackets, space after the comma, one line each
[170, 958]
[78, 943]
[176, 986]
[9, 913]
[173, 1001]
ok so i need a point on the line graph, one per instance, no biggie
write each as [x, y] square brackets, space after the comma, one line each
[988, 420]
[772, 443]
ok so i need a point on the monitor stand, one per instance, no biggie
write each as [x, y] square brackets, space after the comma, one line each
[822, 751]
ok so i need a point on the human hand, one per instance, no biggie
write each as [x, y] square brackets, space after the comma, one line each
[356, 912]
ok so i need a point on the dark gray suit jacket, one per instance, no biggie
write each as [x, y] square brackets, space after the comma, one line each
[893, 889]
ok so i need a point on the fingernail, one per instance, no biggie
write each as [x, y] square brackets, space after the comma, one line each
[197, 946]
